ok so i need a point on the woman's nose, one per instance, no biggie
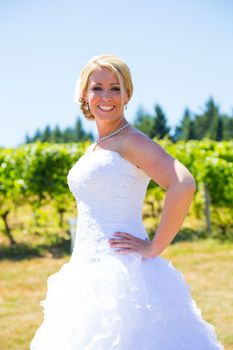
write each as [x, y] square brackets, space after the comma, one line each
[106, 95]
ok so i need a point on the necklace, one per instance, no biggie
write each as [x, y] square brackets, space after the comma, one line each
[98, 140]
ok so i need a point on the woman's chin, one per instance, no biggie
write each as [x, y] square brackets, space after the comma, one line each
[104, 115]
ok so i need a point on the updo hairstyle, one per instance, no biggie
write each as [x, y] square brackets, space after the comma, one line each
[114, 64]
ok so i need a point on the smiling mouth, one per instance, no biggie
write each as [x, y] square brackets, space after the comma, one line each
[106, 108]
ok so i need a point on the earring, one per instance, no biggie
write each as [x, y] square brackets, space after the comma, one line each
[84, 104]
[125, 106]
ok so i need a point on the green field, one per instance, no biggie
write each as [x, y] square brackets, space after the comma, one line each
[207, 267]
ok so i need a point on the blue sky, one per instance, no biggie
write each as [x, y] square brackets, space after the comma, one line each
[180, 53]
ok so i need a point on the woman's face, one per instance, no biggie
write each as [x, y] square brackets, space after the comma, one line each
[104, 95]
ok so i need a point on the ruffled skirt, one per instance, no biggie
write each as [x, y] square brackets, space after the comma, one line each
[121, 302]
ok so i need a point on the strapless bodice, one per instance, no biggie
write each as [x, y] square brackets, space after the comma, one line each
[109, 191]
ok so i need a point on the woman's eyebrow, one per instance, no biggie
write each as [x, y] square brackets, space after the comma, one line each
[102, 84]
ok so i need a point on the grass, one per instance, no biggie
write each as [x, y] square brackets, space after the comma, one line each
[206, 265]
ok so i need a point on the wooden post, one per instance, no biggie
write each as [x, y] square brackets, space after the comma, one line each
[207, 208]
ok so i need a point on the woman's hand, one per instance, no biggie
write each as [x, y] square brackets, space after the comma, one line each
[126, 243]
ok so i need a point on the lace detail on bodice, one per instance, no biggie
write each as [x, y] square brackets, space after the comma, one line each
[109, 191]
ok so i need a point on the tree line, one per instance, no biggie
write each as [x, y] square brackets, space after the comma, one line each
[57, 135]
[211, 123]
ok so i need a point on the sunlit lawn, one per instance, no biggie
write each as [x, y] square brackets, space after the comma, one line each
[207, 267]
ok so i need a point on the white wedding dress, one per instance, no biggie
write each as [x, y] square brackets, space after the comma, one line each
[101, 300]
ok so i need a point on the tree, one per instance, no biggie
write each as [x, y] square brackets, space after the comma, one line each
[27, 138]
[219, 131]
[227, 127]
[57, 135]
[160, 127]
[144, 122]
[185, 131]
[79, 133]
[47, 134]
[12, 185]
[68, 135]
[37, 135]
[206, 124]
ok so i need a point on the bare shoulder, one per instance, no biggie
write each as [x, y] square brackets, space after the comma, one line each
[148, 155]
[135, 140]
[142, 150]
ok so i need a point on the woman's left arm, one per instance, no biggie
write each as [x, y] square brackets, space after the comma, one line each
[179, 184]
[177, 202]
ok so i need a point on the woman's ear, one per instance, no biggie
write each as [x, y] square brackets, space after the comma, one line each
[84, 93]
[127, 98]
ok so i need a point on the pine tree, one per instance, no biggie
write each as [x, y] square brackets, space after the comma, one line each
[79, 133]
[219, 131]
[27, 138]
[206, 124]
[227, 127]
[68, 135]
[160, 127]
[185, 131]
[57, 135]
[46, 135]
[37, 135]
[144, 122]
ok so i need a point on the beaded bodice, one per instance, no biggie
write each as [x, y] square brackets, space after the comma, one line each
[109, 191]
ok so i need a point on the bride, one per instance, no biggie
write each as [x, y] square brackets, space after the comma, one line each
[117, 292]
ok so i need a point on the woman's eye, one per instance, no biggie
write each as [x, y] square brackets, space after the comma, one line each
[96, 88]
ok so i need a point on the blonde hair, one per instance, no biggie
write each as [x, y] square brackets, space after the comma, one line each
[113, 63]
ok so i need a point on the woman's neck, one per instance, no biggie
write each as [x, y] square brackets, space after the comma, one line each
[107, 127]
